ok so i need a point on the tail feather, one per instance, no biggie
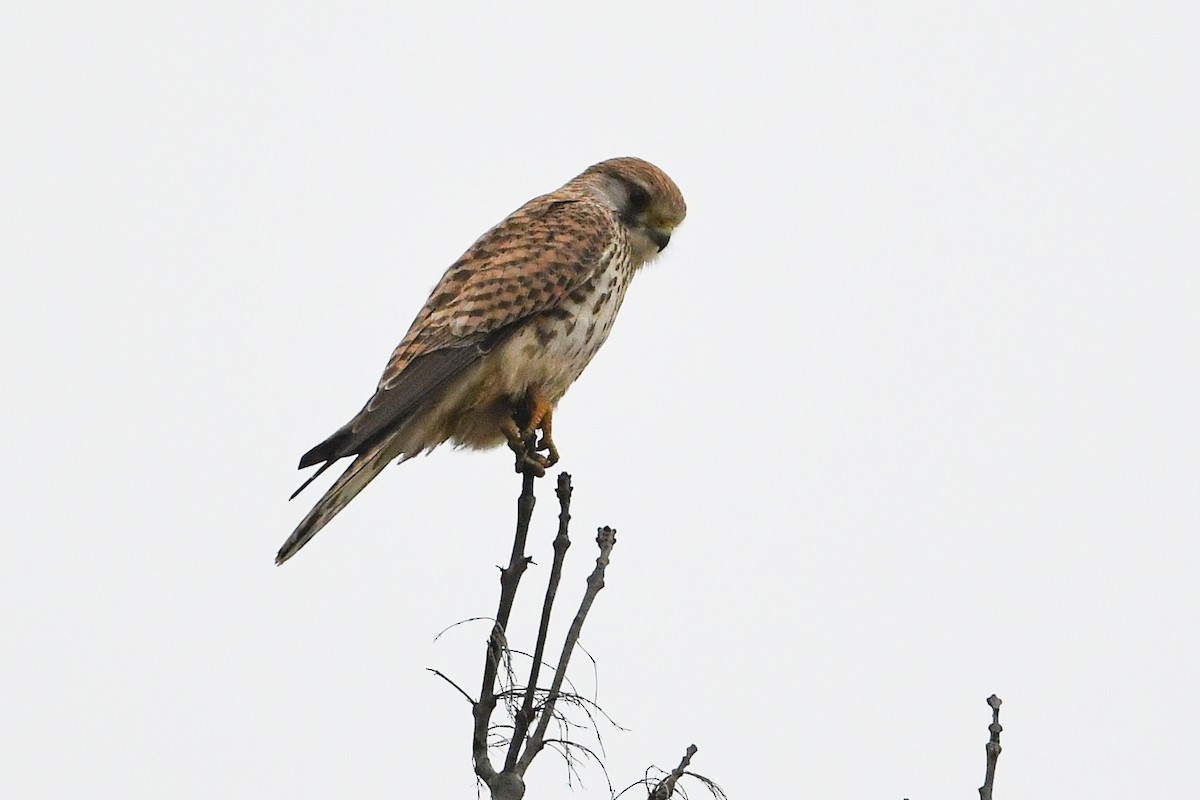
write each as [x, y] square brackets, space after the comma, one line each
[360, 472]
[311, 478]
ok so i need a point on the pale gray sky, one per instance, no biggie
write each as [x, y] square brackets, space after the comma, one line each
[905, 416]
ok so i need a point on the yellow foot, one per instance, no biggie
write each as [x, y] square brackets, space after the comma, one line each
[541, 418]
[530, 415]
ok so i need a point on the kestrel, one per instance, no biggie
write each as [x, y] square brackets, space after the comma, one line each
[507, 329]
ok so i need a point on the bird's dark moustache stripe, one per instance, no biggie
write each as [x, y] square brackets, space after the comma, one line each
[639, 202]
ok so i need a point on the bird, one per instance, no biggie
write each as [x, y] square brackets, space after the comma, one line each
[508, 328]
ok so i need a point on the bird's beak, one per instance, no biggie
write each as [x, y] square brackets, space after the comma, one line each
[660, 236]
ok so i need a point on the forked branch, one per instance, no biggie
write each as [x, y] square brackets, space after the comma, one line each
[507, 783]
[533, 707]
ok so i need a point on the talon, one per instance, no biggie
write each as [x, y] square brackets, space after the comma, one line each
[521, 432]
[547, 444]
[535, 464]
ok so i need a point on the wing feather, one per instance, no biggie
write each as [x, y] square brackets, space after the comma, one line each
[387, 408]
[525, 265]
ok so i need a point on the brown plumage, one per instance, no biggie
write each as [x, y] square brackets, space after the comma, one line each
[506, 331]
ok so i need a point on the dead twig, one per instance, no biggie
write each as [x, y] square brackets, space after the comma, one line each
[666, 787]
[606, 539]
[562, 541]
[461, 690]
[993, 749]
[532, 707]
[510, 578]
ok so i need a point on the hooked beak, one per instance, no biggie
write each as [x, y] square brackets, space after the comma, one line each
[660, 236]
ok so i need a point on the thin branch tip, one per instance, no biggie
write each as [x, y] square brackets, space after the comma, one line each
[665, 788]
[992, 748]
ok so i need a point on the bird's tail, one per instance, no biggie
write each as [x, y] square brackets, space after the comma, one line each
[360, 472]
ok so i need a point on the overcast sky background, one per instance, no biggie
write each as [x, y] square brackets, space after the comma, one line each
[905, 416]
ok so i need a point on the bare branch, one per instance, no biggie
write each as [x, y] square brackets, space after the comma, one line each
[666, 787]
[566, 745]
[512, 651]
[606, 539]
[534, 707]
[585, 704]
[510, 578]
[449, 628]
[993, 749]
[461, 691]
[562, 541]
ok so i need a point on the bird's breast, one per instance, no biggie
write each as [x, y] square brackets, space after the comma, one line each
[552, 348]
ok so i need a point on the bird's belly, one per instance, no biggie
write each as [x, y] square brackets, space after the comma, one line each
[551, 351]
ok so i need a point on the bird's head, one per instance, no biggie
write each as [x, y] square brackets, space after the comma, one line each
[647, 201]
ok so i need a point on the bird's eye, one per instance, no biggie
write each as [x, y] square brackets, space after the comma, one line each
[639, 198]
[637, 204]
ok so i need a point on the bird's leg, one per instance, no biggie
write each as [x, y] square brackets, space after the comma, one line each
[541, 417]
[522, 444]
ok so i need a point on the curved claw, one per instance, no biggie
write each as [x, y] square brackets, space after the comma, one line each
[547, 444]
[533, 463]
[523, 441]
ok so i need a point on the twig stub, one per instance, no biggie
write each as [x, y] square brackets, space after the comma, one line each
[992, 748]
[666, 787]
[605, 538]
